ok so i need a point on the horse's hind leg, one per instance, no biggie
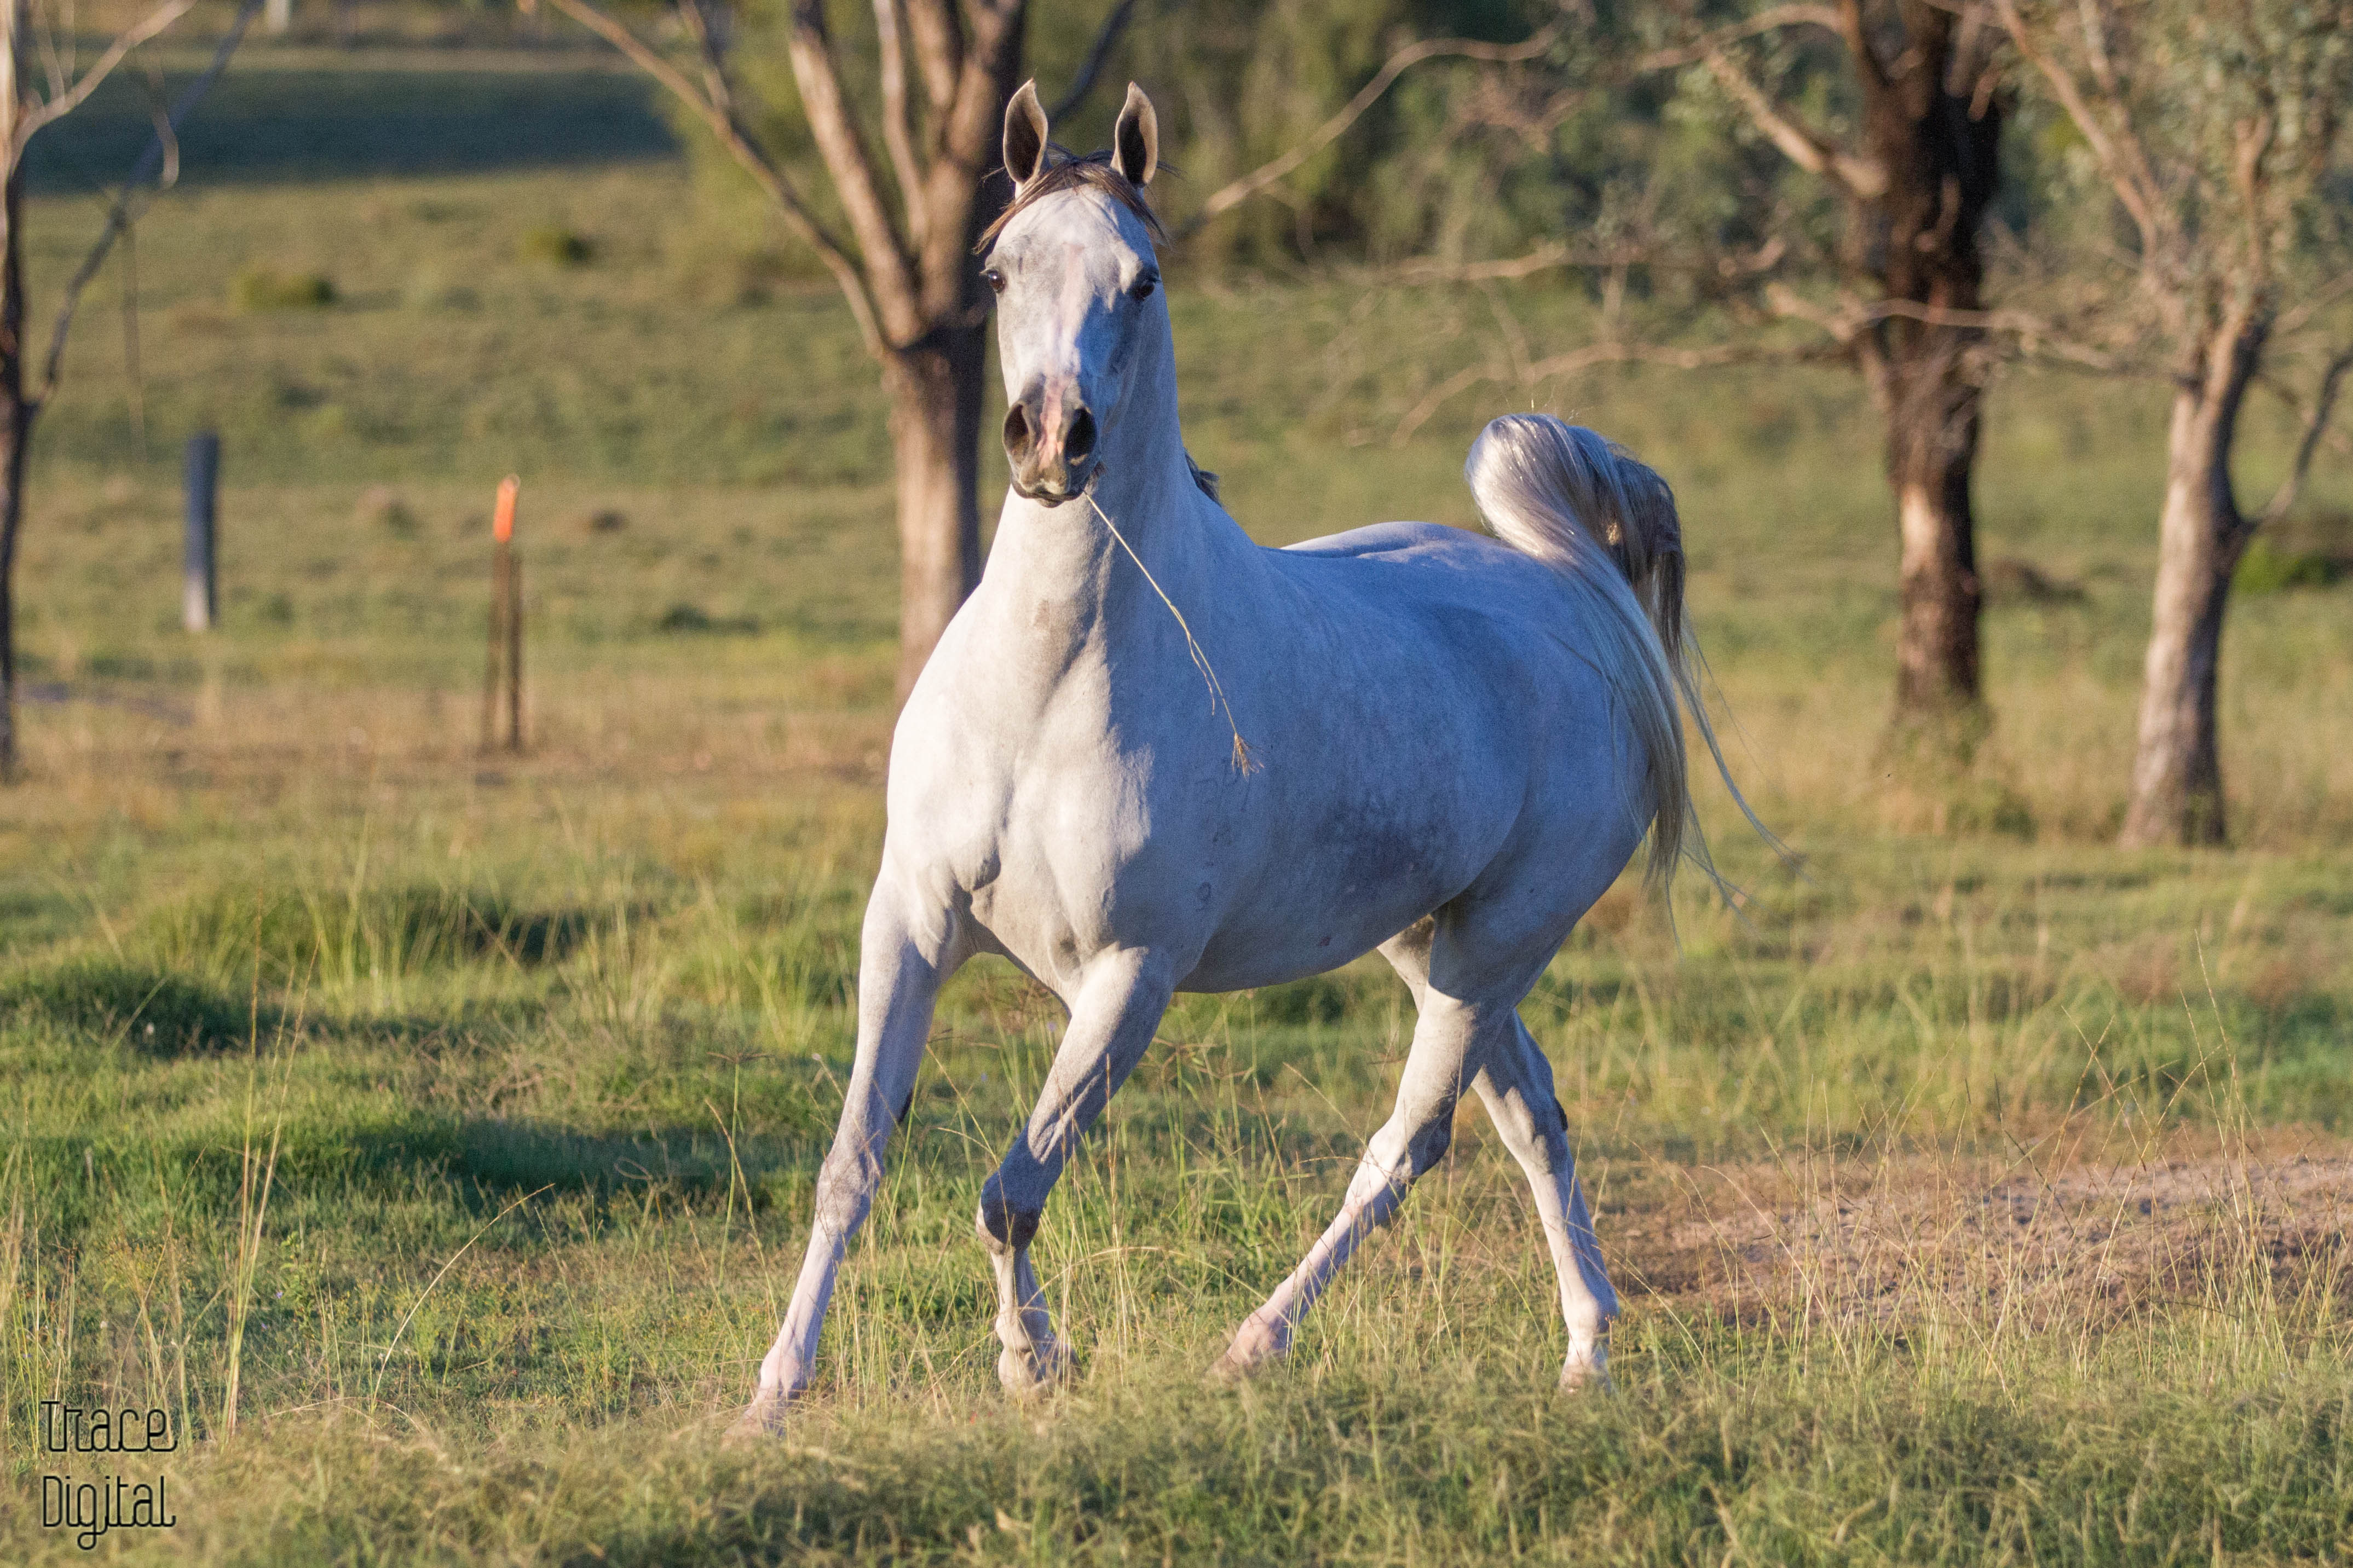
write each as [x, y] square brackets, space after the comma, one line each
[1113, 1016]
[1414, 1138]
[1514, 1082]
[1467, 974]
[905, 955]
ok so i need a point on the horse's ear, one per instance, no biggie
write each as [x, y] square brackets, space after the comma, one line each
[1136, 145]
[1025, 136]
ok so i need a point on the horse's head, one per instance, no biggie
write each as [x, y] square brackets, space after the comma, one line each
[1078, 292]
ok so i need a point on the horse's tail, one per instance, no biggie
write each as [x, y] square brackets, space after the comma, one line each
[1606, 522]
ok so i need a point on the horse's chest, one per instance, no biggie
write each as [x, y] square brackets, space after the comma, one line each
[1085, 855]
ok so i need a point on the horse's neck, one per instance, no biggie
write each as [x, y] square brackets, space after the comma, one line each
[1084, 582]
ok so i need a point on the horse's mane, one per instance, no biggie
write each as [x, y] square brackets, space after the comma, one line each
[1069, 171]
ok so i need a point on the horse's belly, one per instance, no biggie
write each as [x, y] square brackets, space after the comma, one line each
[1242, 960]
[1312, 905]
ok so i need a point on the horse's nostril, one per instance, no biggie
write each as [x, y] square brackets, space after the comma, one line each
[1081, 438]
[1016, 432]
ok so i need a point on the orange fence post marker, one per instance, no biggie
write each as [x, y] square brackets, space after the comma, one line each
[506, 624]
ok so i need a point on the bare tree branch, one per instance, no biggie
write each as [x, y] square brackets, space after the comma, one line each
[1612, 352]
[2327, 294]
[64, 103]
[2035, 333]
[1842, 325]
[747, 153]
[938, 28]
[897, 137]
[2121, 157]
[715, 85]
[2095, 47]
[2314, 425]
[60, 73]
[160, 159]
[1554, 256]
[1807, 149]
[833, 125]
[967, 132]
[1098, 55]
[1772, 19]
[1238, 191]
[1868, 67]
[2249, 141]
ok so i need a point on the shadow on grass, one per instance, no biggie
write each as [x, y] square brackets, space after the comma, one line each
[502, 1156]
[302, 934]
[155, 1012]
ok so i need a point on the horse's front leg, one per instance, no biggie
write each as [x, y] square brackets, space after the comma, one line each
[906, 950]
[1117, 1007]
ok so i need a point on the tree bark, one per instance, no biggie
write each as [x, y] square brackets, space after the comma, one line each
[920, 272]
[2176, 780]
[16, 432]
[1931, 447]
[935, 387]
[1937, 135]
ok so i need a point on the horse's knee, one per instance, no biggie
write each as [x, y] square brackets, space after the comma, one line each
[845, 1189]
[1430, 1145]
[1004, 1222]
[1535, 1127]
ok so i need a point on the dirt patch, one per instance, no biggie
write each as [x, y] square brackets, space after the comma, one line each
[2083, 1243]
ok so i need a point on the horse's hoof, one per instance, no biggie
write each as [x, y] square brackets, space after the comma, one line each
[1255, 1349]
[1587, 1374]
[1034, 1373]
[761, 1419]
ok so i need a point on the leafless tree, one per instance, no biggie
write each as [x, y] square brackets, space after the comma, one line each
[945, 69]
[40, 83]
[2216, 127]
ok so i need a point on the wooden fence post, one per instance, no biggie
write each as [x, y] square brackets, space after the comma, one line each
[506, 625]
[199, 586]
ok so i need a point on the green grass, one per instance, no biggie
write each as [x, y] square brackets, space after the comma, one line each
[464, 1110]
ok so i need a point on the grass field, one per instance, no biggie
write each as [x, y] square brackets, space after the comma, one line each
[432, 1133]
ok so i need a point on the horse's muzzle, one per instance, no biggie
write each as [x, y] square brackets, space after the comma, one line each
[1052, 445]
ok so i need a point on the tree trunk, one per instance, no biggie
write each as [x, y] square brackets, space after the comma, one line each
[16, 433]
[1935, 130]
[2176, 780]
[1931, 447]
[935, 387]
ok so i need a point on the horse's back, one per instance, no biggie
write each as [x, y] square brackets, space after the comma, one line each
[1383, 539]
[1418, 568]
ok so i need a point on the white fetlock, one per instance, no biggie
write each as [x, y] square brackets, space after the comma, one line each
[1027, 1373]
[1258, 1345]
[763, 1417]
[1588, 1367]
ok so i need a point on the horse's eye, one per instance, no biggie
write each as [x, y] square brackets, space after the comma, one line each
[1141, 290]
[994, 278]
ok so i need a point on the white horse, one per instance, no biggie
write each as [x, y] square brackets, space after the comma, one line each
[1454, 746]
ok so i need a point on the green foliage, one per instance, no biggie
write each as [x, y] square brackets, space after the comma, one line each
[2276, 567]
[694, 618]
[2237, 109]
[1235, 84]
[261, 288]
[557, 246]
